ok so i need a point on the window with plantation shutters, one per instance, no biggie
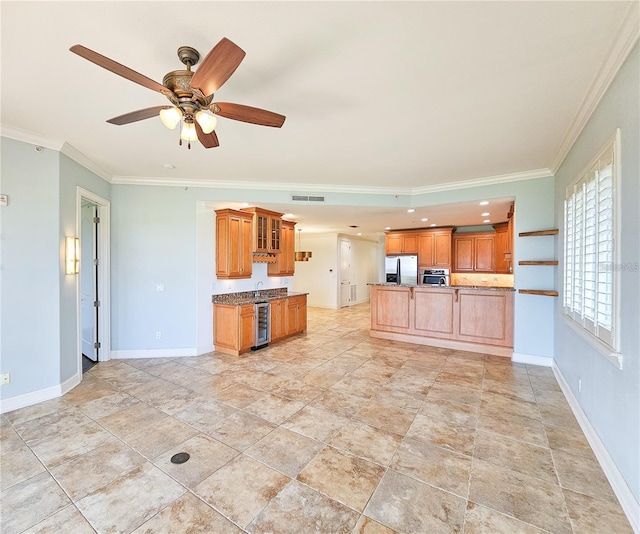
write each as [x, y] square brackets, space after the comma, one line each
[589, 247]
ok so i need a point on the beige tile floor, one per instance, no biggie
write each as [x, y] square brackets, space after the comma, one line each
[327, 432]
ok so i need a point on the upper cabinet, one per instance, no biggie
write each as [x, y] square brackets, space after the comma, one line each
[504, 244]
[401, 243]
[285, 261]
[233, 244]
[434, 249]
[267, 226]
[474, 252]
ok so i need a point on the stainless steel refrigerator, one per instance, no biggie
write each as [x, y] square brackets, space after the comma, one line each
[401, 269]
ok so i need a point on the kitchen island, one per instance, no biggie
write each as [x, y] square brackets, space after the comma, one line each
[234, 318]
[475, 319]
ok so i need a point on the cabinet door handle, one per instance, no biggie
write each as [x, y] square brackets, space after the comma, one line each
[456, 293]
[411, 292]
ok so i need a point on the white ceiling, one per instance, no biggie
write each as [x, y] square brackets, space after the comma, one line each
[379, 96]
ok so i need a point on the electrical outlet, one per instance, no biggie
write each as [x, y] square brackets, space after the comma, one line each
[5, 378]
[159, 287]
[579, 385]
[158, 335]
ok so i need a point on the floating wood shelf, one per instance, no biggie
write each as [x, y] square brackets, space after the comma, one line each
[553, 231]
[544, 292]
[538, 262]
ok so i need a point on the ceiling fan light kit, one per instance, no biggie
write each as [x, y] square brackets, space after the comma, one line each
[191, 93]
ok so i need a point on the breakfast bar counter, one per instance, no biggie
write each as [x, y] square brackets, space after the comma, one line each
[476, 319]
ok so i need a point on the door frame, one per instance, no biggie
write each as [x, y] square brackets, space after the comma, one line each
[341, 240]
[103, 273]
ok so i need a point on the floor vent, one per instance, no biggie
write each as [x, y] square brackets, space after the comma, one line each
[306, 198]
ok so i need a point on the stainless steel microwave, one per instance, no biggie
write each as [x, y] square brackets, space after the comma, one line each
[436, 277]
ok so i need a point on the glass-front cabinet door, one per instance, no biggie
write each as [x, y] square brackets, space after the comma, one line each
[275, 234]
[266, 230]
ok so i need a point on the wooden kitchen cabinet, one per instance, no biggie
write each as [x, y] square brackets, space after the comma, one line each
[296, 314]
[266, 230]
[233, 244]
[390, 308]
[434, 312]
[233, 328]
[434, 249]
[285, 261]
[474, 252]
[278, 317]
[474, 319]
[485, 317]
[401, 243]
[503, 247]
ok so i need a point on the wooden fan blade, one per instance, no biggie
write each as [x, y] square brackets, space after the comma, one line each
[138, 115]
[242, 113]
[220, 63]
[117, 68]
[208, 140]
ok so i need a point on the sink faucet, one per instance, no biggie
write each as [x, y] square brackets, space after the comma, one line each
[258, 284]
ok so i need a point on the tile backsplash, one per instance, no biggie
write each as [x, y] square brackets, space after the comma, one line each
[482, 279]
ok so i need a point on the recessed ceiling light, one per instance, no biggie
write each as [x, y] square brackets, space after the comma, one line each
[485, 214]
[359, 233]
[387, 227]
[410, 210]
[289, 215]
[484, 202]
[433, 224]
[169, 166]
[487, 221]
[245, 204]
[424, 219]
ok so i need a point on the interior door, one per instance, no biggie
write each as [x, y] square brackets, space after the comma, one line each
[89, 280]
[345, 272]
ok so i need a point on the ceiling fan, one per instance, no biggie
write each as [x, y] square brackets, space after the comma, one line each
[191, 93]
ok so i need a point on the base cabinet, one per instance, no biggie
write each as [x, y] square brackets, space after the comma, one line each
[234, 325]
[296, 314]
[462, 317]
[278, 317]
[390, 308]
[233, 328]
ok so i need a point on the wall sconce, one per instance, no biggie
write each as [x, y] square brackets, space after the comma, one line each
[72, 256]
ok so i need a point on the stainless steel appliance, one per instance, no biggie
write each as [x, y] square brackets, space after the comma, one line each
[263, 326]
[436, 277]
[401, 269]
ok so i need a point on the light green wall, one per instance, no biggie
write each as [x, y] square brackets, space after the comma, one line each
[32, 259]
[610, 397]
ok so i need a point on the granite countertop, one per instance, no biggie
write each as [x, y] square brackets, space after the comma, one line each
[253, 297]
[424, 286]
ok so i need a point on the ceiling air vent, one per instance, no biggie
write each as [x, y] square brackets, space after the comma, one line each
[306, 198]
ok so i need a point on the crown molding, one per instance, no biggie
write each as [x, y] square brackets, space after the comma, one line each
[60, 146]
[625, 39]
[297, 188]
[294, 188]
[489, 180]
[77, 156]
[29, 137]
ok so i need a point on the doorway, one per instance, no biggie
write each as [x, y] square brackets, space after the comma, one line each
[93, 290]
[89, 297]
[345, 272]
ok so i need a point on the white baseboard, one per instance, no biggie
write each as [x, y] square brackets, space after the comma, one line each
[41, 395]
[34, 397]
[620, 487]
[531, 359]
[152, 353]
[205, 349]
